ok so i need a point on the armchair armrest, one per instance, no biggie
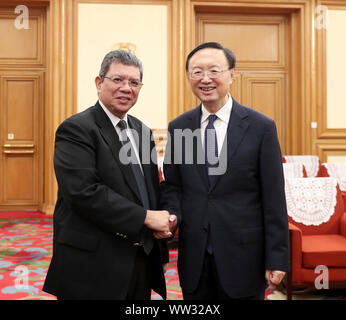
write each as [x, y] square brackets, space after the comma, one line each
[343, 224]
[296, 251]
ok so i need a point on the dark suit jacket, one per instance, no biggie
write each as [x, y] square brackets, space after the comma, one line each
[245, 206]
[99, 215]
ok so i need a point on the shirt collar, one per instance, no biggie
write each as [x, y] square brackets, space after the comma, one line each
[223, 114]
[114, 119]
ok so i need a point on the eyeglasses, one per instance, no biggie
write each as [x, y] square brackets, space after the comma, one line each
[212, 74]
[119, 80]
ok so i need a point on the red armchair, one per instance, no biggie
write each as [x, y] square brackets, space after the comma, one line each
[336, 170]
[294, 170]
[317, 224]
[311, 163]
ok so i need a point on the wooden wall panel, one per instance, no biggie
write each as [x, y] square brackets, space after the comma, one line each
[264, 34]
[330, 148]
[22, 47]
[20, 109]
[266, 94]
[327, 141]
[235, 88]
[323, 131]
[21, 139]
[20, 183]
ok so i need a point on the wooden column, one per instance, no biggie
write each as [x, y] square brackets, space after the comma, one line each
[61, 85]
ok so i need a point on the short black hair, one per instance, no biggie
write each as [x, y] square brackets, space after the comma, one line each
[215, 45]
[120, 56]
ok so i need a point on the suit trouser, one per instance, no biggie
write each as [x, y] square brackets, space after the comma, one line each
[210, 287]
[140, 284]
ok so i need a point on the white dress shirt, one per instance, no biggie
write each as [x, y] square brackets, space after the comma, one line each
[115, 120]
[220, 124]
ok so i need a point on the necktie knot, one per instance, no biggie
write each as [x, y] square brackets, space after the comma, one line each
[212, 119]
[122, 124]
[210, 145]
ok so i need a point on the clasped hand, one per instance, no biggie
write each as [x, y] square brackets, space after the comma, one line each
[274, 277]
[161, 222]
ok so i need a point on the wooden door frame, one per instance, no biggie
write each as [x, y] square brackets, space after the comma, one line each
[300, 58]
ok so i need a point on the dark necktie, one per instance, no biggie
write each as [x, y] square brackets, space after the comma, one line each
[137, 172]
[211, 160]
[210, 147]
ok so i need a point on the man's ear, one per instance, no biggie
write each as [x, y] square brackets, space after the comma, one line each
[98, 82]
[188, 76]
[232, 73]
[232, 76]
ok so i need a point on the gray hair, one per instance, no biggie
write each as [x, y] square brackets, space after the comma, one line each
[120, 56]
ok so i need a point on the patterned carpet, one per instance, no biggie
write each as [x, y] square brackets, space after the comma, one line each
[25, 253]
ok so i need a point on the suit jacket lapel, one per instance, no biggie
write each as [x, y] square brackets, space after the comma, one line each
[111, 137]
[236, 129]
[143, 141]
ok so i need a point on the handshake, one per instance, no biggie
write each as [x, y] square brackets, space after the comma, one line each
[161, 222]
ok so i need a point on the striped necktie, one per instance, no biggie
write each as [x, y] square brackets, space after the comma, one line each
[137, 172]
[210, 147]
[211, 160]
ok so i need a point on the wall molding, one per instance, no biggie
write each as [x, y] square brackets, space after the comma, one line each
[323, 131]
[331, 148]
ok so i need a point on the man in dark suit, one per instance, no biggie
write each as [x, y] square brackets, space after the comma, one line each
[108, 196]
[224, 182]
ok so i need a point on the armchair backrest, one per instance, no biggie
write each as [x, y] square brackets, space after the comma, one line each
[336, 170]
[315, 205]
[294, 170]
[311, 163]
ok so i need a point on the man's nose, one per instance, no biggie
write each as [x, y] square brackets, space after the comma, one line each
[125, 86]
[205, 78]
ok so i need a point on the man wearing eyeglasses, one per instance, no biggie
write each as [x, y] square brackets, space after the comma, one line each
[108, 195]
[226, 187]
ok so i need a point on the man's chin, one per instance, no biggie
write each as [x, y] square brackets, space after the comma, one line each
[120, 111]
[207, 99]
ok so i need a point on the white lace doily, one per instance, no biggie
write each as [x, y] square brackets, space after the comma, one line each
[311, 163]
[337, 170]
[293, 170]
[310, 201]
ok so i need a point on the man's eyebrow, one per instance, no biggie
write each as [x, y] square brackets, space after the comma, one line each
[122, 76]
